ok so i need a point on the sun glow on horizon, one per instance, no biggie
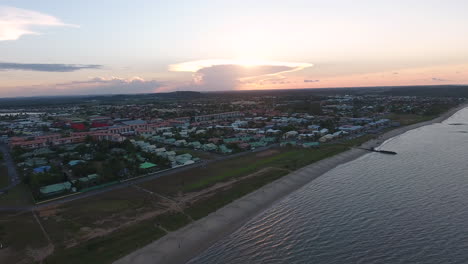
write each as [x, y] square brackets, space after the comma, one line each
[194, 66]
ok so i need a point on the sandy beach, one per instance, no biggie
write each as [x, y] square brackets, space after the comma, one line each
[182, 245]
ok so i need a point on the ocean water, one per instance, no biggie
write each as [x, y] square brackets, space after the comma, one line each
[407, 208]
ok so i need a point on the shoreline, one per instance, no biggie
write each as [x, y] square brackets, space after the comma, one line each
[188, 242]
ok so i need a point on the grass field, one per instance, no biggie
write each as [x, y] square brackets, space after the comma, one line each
[19, 232]
[409, 119]
[172, 220]
[4, 179]
[109, 248]
[202, 177]
[104, 211]
[289, 158]
[204, 207]
[18, 196]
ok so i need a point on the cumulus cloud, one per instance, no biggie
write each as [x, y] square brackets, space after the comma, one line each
[9, 66]
[311, 81]
[94, 86]
[435, 79]
[217, 75]
[16, 22]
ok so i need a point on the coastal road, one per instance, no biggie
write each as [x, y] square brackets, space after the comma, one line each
[10, 164]
[132, 181]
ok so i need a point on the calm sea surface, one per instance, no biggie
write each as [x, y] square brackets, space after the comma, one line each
[407, 208]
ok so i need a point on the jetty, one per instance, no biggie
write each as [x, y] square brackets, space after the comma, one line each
[380, 151]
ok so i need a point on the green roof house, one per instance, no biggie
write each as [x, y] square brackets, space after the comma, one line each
[209, 147]
[55, 188]
[147, 165]
[310, 144]
[224, 149]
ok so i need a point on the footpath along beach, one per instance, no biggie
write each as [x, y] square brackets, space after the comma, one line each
[186, 243]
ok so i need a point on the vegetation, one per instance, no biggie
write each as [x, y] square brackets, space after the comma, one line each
[172, 220]
[18, 232]
[289, 158]
[4, 179]
[110, 247]
[204, 207]
[17, 196]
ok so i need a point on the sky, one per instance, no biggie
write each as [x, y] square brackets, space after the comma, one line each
[56, 47]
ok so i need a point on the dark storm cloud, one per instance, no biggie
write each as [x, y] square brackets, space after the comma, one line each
[439, 80]
[91, 87]
[46, 67]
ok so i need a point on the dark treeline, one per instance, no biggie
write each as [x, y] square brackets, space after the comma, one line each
[429, 91]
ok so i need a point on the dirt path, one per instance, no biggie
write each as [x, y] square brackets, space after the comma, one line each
[40, 254]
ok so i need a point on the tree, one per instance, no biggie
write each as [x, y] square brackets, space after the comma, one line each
[83, 169]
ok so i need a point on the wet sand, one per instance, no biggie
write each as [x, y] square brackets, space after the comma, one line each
[186, 243]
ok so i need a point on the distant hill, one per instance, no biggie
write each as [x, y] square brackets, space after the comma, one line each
[430, 91]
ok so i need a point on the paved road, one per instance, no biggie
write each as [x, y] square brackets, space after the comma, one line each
[12, 173]
[132, 182]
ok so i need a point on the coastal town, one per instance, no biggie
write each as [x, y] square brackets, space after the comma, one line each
[233, 132]
[79, 148]
[193, 152]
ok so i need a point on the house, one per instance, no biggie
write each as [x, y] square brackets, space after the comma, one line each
[244, 145]
[232, 140]
[209, 147]
[183, 159]
[268, 139]
[75, 162]
[225, 150]
[147, 165]
[351, 129]
[326, 138]
[310, 144]
[41, 169]
[35, 162]
[323, 131]
[158, 150]
[55, 189]
[288, 143]
[181, 142]
[135, 124]
[258, 144]
[195, 144]
[214, 140]
[290, 134]
[306, 136]
[169, 141]
[91, 179]
[168, 134]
